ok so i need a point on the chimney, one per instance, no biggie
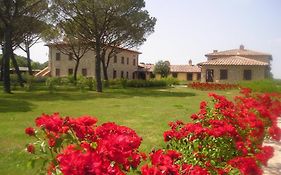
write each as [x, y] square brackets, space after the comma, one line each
[215, 51]
[190, 62]
[242, 47]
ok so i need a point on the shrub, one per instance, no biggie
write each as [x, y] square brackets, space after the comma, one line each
[226, 137]
[123, 83]
[91, 83]
[75, 146]
[52, 83]
[29, 80]
[40, 79]
[171, 81]
[67, 81]
[146, 83]
[14, 81]
[82, 82]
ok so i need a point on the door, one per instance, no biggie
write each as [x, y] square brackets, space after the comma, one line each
[209, 75]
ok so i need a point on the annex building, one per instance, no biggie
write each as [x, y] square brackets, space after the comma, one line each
[232, 66]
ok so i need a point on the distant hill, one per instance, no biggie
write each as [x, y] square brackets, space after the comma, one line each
[23, 63]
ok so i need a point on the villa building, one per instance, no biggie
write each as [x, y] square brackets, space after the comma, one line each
[123, 65]
[235, 65]
[230, 66]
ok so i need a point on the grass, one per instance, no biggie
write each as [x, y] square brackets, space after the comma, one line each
[263, 85]
[147, 111]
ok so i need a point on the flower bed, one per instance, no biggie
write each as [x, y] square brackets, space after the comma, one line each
[212, 86]
[225, 137]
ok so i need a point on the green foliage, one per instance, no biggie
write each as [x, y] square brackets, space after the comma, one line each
[22, 62]
[123, 83]
[146, 83]
[29, 80]
[82, 83]
[52, 83]
[91, 83]
[266, 85]
[14, 81]
[171, 81]
[162, 68]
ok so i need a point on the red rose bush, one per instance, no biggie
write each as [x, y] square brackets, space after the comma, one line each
[225, 137]
[78, 146]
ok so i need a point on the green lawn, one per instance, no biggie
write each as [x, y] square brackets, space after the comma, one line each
[147, 111]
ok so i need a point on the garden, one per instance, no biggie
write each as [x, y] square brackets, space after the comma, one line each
[160, 130]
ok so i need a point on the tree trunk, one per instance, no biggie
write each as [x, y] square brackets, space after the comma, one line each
[1, 70]
[6, 58]
[104, 68]
[76, 69]
[28, 59]
[20, 79]
[98, 65]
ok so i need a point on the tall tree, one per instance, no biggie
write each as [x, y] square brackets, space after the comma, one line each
[30, 35]
[65, 39]
[11, 13]
[107, 23]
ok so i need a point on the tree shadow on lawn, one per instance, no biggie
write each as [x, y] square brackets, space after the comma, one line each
[10, 105]
[128, 93]
[108, 93]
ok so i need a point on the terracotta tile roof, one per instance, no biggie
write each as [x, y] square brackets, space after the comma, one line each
[234, 60]
[65, 44]
[238, 52]
[173, 68]
[184, 68]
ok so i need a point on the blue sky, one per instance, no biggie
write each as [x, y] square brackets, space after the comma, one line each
[188, 29]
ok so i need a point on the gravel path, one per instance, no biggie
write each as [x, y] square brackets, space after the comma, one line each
[274, 164]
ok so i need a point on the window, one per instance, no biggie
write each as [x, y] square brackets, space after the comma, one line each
[223, 74]
[84, 72]
[123, 60]
[127, 60]
[127, 75]
[122, 74]
[175, 75]
[189, 76]
[57, 56]
[70, 71]
[247, 75]
[57, 72]
[198, 76]
[209, 75]
[115, 59]
[134, 75]
[70, 56]
[134, 62]
[114, 74]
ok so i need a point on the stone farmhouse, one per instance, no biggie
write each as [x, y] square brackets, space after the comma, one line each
[123, 65]
[232, 66]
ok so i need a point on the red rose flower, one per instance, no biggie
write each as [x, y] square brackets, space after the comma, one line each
[30, 131]
[30, 148]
